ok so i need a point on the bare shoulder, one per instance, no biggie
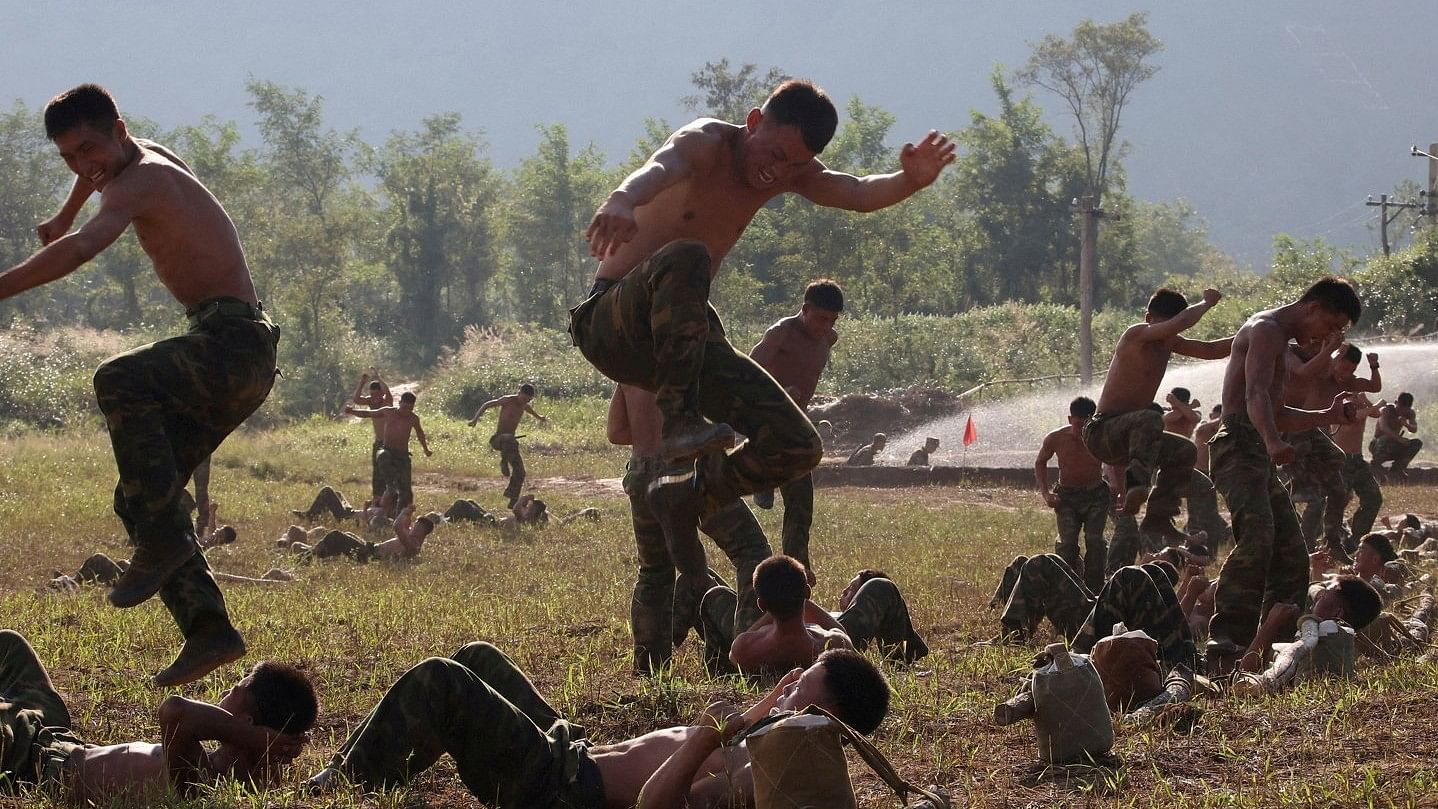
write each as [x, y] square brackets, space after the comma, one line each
[1054, 436]
[700, 141]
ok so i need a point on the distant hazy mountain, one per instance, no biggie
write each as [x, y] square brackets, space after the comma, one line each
[1269, 116]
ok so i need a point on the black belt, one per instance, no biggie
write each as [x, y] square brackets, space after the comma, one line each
[225, 307]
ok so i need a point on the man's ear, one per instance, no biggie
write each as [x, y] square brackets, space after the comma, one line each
[753, 119]
[120, 131]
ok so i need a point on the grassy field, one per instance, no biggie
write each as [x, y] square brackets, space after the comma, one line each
[557, 601]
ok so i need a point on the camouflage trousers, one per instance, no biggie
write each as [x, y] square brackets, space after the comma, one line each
[1140, 597]
[1123, 547]
[510, 462]
[1137, 440]
[168, 406]
[510, 747]
[33, 741]
[1203, 513]
[798, 497]
[1269, 561]
[665, 606]
[396, 469]
[1318, 468]
[1390, 635]
[1045, 587]
[341, 543]
[1383, 449]
[329, 501]
[1083, 508]
[1358, 477]
[376, 481]
[654, 329]
[100, 569]
[466, 510]
[879, 614]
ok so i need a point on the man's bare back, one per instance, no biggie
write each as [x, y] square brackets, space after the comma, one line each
[1077, 466]
[796, 359]
[771, 648]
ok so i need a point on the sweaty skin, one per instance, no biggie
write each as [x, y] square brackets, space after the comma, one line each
[133, 769]
[710, 177]
[1077, 466]
[511, 410]
[180, 225]
[1141, 357]
[1254, 379]
[795, 354]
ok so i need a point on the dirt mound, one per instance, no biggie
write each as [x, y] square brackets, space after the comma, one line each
[857, 416]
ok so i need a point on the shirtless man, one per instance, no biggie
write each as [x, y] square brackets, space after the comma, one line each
[373, 393]
[1127, 430]
[512, 749]
[1389, 443]
[261, 725]
[1203, 433]
[167, 405]
[661, 236]
[920, 456]
[794, 351]
[663, 609]
[393, 460]
[1268, 564]
[1081, 499]
[511, 409]
[408, 540]
[1357, 475]
[871, 610]
[1182, 418]
[1322, 465]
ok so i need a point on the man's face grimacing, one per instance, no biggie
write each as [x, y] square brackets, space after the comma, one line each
[817, 321]
[771, 153]
[1318, 323]
[92, 153]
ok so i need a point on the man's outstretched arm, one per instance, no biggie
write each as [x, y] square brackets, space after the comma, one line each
[65, 255]
[59, 224]
[419, 433]
[920, 166]
[482, 410]
[369, 413]
[1164, 329]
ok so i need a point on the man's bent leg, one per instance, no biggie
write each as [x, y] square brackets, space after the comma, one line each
[1047, 588]
[879, 613]
[1287, 579]
[798, 517]
[509, 681]
[25, 683]
[1203, 513]
[1241, 472]
[716, 626]
[1123, 548]
[1094, 514]
[1175, 458]
[1070, 522]
[441, 706]
[651, 608]
[1137, 599]
[740, 537]
[1370, 497]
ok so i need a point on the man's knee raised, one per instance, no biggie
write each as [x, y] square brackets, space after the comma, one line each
[112, 375]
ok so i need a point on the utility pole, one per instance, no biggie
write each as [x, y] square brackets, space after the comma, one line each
[1385, 220]
[1088, 262]
[1430, 196]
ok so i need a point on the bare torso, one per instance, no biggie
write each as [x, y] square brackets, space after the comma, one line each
[1134, 373]
[1235, 378]
[184, 230]
[511, 411]
[105, 773]
[1349, 437]
[1299, 390]
[777, 651]
[1077, 466]
[1392, 420]
[712, 206]
[1201, 435]
[395, 429]
[799, 359]
[1179, 422]
[626, 766]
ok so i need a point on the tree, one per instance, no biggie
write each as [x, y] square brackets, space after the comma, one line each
[1094, 73]
[33, 177]
[440, 239]
[729, 94]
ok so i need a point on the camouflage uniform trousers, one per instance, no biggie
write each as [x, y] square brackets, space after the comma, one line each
[1124, 545]
[1137, 440]
[1045, 587]
[879, 614]
[664, 607]
[341, 543]
[1358, 477]
[168, 406]
[34, 740]
[1383, 449]
[1318, 468]
[376, 485]
[798, 497]
[1083, 508]
[466, 510]
[1140, 597]
[654, 329]
[1269, 561]
[396, 469]
[1203, 513]
[510, 747]
[509, 459]
[330, 500]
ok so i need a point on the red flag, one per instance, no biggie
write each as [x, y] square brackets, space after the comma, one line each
[971, 433]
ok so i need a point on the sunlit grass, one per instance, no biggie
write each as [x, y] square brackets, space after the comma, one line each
[557, 601]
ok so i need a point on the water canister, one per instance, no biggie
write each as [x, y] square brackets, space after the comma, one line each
[1071, 716]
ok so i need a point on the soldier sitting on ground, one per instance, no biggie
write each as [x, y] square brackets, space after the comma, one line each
[921, 455]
